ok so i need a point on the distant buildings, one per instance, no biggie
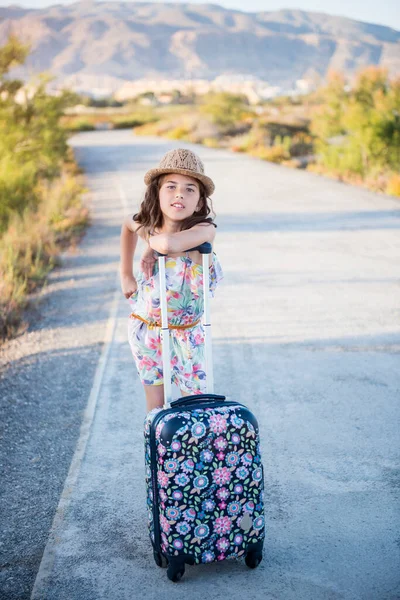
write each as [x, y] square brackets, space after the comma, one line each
[163, 90]
[155, 92]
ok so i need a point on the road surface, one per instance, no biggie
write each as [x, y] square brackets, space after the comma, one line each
[305, 332]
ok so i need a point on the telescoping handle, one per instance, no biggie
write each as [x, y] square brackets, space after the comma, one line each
[205, 249]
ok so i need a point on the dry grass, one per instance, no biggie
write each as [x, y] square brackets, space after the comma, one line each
[275, 154]
[393, 185]
[383, 182]
[30, 246]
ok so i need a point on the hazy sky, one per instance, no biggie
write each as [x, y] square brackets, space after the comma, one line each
[386, 12]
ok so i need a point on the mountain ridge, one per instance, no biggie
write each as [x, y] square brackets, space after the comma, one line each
[131, 41]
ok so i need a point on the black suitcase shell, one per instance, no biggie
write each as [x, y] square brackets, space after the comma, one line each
[205, 484]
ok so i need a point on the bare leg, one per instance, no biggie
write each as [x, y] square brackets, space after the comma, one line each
[154, 396]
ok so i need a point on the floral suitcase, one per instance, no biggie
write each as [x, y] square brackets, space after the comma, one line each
[204, 475]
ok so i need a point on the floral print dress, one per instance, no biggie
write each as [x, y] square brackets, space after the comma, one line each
[184, 279]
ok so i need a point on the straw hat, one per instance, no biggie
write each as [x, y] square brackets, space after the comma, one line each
[184, 162]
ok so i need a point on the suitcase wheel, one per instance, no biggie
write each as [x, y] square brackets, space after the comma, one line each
[254, 556]
[160, 559]
[175, 571]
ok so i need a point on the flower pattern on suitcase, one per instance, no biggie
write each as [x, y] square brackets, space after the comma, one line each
[210, 483]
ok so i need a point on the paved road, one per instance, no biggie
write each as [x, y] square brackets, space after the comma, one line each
[306, 332]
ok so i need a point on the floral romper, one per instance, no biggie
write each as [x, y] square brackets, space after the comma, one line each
[184, 279]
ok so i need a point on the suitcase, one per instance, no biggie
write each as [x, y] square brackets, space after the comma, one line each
[204, 475]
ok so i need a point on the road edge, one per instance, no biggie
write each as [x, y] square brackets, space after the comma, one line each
[50, 551]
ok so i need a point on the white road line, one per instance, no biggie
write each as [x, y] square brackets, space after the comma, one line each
[49, 554]
[122, 196]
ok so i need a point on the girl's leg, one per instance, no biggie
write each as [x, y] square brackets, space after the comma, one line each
[154, 396]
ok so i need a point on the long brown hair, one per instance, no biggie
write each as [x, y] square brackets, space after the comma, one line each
[150, 216]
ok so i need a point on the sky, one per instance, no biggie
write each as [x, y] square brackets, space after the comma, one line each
[386, 12]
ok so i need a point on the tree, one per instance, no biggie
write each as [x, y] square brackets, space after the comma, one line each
[33, 145]
[327, 121]
[372, 120]
[14, 53]
[368, 118]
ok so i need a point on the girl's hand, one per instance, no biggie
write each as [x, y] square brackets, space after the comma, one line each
[128, 285]
[147, 262]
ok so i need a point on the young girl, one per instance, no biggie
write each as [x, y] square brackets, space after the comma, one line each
[173, 217]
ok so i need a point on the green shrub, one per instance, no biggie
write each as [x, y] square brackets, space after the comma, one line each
[225, 109]
[211, 142]
[80, 125]
[276, 154]
[40, 207]
[177, 133]
[368, 118]
[17, 189]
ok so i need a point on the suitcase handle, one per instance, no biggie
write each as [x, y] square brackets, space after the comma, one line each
[204, 248]
[195, 398]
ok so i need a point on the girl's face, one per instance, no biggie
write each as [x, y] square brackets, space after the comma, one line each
[179, 196]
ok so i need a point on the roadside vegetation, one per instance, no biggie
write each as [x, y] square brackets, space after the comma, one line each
[357, 132]
[41, 188]
[348, 133]
[352, 135]
[107, 118]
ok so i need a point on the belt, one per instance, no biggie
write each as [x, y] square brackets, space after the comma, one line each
[153, 324]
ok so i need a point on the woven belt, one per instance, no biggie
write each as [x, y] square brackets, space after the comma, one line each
[153, 324]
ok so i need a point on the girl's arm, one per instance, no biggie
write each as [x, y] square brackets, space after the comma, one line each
[170, 243]
[128, 242]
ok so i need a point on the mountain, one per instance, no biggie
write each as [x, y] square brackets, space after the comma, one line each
[134, 40]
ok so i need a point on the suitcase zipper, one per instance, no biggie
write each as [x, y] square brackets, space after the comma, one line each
[153, 458]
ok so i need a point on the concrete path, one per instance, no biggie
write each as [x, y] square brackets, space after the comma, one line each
[306, 333]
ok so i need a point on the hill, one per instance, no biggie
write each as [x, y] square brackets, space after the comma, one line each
[127, 41]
